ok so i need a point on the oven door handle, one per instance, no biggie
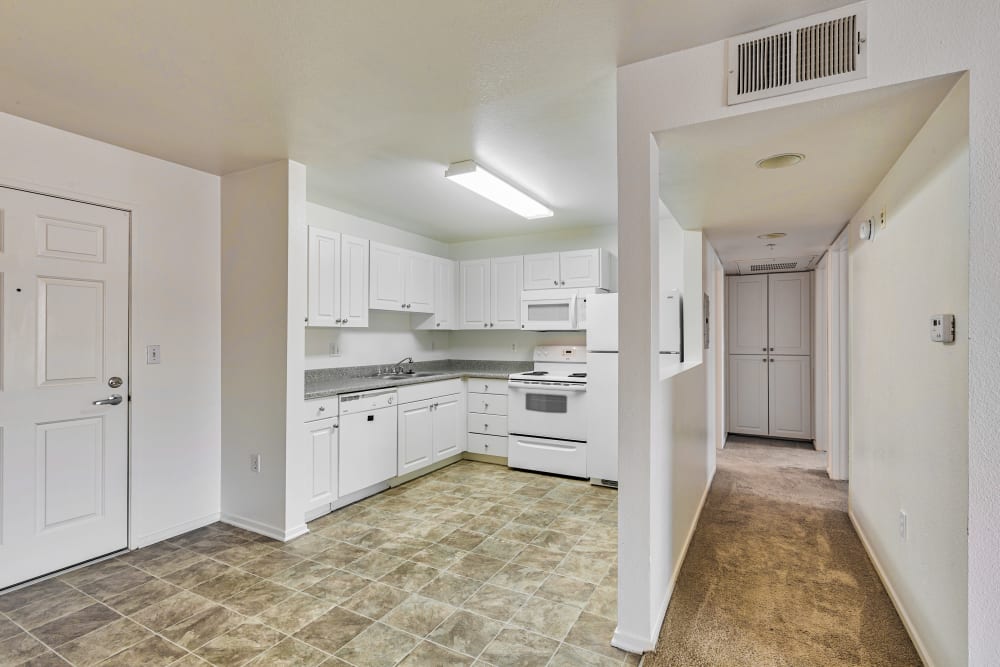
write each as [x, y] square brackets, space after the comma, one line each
[514, 384]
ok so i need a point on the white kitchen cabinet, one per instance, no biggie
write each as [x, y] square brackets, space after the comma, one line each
[593, 267]
[322, 453]
[748, 394]
[418, 288]
[790, 397]
[443, 317]
[474, 294]
[489, 445]
[789, 313]
[401, 279]
[337, 280]
[506, 280]
[747, 314]
[449, 431]
[416, 436]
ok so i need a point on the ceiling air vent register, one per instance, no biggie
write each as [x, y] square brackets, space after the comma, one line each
[819, 50]
[747, 267]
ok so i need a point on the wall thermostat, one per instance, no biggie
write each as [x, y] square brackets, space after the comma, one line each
[943, 328]
[867, 229]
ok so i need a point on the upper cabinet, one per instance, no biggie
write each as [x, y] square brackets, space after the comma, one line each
[337, 280]
[443, 316]
[401, 280]
[573, 268]
[490, 293]
[770, 313]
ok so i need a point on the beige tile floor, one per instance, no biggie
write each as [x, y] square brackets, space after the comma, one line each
[472, 564]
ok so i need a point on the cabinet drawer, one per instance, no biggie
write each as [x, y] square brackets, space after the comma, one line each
[408, 393]
[492, 445]
[491, 404]
[321, 408]
[488, 424]
[488, 386]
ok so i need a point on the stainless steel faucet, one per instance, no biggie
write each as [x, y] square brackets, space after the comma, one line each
[398, 368]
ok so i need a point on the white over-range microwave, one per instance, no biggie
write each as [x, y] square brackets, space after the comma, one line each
[555, 309]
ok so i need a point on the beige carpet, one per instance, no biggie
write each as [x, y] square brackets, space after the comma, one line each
[775, 575]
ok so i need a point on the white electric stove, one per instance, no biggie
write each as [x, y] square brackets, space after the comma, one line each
[547, 412]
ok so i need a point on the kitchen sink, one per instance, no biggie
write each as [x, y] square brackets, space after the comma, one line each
[403, 376]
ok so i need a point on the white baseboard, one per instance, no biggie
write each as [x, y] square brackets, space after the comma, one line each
[141, 541]
[264, 529]
[896, 602]
[636, 644]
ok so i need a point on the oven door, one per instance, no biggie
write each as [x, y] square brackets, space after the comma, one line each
[547, 411]
[542, 310]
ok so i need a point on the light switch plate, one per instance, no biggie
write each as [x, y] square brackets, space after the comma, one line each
[152, 354]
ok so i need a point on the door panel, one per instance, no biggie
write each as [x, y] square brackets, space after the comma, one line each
[418, 292]
[474, 294]
[507, 278]
[387, 270]
[747, 298]
[789, 313]
[63, 334]
[449, 426]
[790, 397]
[416, 436]
[541, 271]
[354, 281]
[748, 394]
[323, 278]
[321, 440]
[580, 268]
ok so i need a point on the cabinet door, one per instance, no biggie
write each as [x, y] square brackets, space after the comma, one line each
[416, 436]
[321, 445]
[580, 268]
[747, 298]
[387, 270]
[449, 426]
[506, 280]
[748, 394]
[474, 294]
[418, 288]
[789, 313]
[541, 271]
[790, 397]
[323, 278]
[354, 282]
[444, 294]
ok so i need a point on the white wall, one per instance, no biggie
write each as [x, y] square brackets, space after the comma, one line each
[174, 413]
[263, 309]
[909, 405]
[604, 236]
[908, 40]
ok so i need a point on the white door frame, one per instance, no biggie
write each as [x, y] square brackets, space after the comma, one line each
[131, 209]
[838, 455]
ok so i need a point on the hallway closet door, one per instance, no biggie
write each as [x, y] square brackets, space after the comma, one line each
[748, 319]
[789, 313]
[748, 399]
[789, 389]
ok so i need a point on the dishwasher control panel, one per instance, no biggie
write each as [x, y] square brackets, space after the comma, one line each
[367, 400]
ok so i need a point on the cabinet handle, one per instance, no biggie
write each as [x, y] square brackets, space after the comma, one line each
[322, 408]
[562, 282]
[764, 360]
[763, 349]
[336, 426]
[491, 323]
[772, 349]
[438, 324]
[485, 324]
[486, 406]
[555, 282]
[486, 427]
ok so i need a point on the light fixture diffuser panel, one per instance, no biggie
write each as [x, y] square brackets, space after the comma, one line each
[470, 175]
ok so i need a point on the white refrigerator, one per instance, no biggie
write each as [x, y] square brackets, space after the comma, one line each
[602, 376]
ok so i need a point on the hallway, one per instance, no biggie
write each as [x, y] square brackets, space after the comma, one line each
[775, 574]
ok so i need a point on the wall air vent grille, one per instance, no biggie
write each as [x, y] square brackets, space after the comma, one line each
[819, 50]
[776, 265]
[768, 268]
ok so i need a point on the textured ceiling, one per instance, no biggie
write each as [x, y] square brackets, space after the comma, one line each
[708, 177]
[375, 97]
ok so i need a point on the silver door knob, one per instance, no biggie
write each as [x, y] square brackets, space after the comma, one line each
[113, 399]
[485, 324]
[115, 382]
[555, 282]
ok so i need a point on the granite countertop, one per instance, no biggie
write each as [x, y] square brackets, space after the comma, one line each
[327, 382]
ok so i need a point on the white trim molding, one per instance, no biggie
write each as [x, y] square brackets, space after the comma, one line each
[140, 541]
[264, 529]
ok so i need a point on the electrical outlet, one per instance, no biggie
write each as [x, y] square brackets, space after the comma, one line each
[881, 219]
[902, 525]
[152, 354]
[334, 350]
[255, 462]
[513, 347]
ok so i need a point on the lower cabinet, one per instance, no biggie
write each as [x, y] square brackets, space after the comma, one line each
[430, 430]
[770, 395]
[321, 443]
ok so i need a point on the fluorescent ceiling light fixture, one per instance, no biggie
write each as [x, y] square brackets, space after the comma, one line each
[470, 175]
[772, 235]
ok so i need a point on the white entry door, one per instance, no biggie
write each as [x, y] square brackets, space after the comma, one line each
[64, 346]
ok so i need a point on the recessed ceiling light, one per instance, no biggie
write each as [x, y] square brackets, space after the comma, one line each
[470, 175]
[780, 161]
[772, 235]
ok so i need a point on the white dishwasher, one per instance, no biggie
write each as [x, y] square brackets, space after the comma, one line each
[367, 439]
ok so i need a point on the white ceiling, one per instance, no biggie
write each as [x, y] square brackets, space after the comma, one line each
[375, 97]
[708, 177]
